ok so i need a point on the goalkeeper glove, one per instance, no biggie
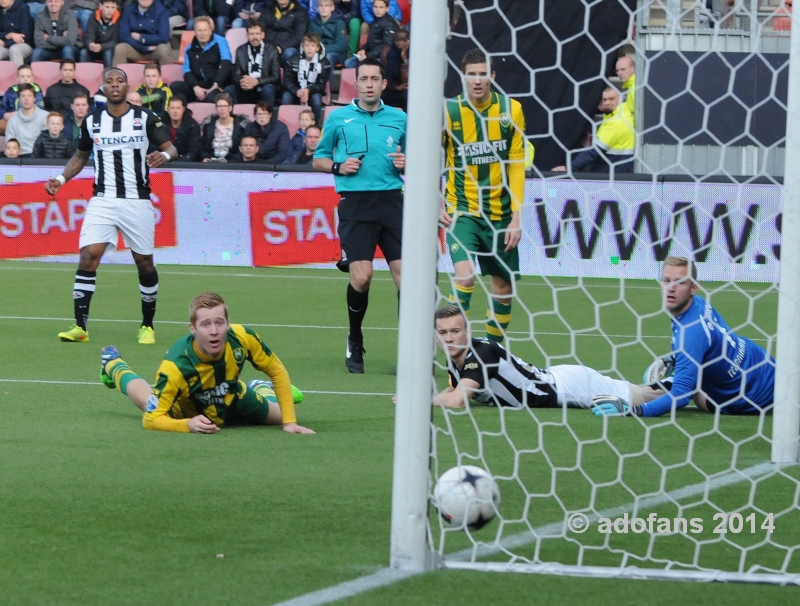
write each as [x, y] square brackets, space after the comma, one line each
[605, 405]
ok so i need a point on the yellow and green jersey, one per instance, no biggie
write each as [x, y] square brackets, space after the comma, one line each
[190, 384]
[630, 97]
[484, 156]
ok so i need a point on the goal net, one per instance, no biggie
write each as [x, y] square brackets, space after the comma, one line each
[687, 494]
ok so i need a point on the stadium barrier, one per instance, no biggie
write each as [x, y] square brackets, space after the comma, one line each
[572, 228]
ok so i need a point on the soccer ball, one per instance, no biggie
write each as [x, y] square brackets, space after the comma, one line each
[466, 496]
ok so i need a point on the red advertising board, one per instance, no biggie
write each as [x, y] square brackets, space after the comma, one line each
[33, 223]
[295, 226]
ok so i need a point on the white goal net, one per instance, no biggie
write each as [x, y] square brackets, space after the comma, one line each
[688, 493]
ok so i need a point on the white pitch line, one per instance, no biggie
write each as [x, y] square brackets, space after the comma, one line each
[390, 576]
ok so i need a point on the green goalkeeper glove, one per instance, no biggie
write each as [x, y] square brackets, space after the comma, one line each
[605, 405]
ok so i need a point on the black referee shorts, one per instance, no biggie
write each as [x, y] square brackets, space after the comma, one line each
[368, 219]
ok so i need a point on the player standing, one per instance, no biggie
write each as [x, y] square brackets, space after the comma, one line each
[713, 366]
[485, 156]
[119, 134]
[362, 145]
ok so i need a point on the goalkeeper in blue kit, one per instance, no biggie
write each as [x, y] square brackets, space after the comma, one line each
[716, 368]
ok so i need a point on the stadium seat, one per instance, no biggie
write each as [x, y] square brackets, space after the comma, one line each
[90, 75]
[405, 7]
[46, 73]
[171, 73]
[328, 111]
[201, 111]
[186, 40]
[8, 75]
[290, 116]
[135, 74]
[244, 109]
[347, 87]
[236, 36]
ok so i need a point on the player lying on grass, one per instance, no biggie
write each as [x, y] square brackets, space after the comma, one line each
[484, 371]
[713, 366]
[197, 386]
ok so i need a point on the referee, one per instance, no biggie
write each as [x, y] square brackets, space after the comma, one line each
[119, 135]
[362, 145]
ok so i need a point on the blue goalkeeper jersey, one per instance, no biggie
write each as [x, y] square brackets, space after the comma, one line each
[735, 374]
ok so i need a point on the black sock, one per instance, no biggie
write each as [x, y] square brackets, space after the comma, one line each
[82, 293]
[148, 287]
[357, 309]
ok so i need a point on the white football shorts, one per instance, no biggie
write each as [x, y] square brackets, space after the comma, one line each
[577, 385]
[106, 217]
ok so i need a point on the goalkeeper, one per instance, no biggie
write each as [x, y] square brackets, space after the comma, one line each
[715, 367]
[484, 371]
[485, 162]
[197, 386]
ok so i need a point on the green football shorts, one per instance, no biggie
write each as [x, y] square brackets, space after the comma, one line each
[471, 238]
[249, 408]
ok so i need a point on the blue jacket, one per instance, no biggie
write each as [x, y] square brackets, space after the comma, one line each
[10, 101]
[274, 145]
[368, 16]
[176, 8]
[351, 132]
[153, 25]
[205, 66]
[16, 20]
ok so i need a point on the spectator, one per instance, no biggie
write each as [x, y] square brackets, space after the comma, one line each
[222, 132]
[248, 151]
[396, 93]
[220, 12]
[102, 34]
[184, 132]
[381, 34]
[306, 77]
[206, 64]
[332, 32]
[52, 144]
[368, 14]
[247, 10]
[285, 26]
[35, 8]
[626, 72]
[305, 156]
[84, 10]
[134, 98]
[10, 103]
[178, 12]
[305, 119]
[144, 34]
[12, 150]
[59, 95]
[274, 145]
[73, 119]
[616, 140]
[55, 33]
[155, 94]
[28, 123]
[16, 31]
[256, 71]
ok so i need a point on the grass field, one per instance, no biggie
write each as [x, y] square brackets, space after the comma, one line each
[96, 510]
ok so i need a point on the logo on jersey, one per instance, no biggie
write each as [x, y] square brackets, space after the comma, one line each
[152, 403]
[454, 247]
[483, 152]
[213, 396]
[238, 355]
[389, 141]
[505, 120]
[456, 125]
[137, 124]
[471, 366]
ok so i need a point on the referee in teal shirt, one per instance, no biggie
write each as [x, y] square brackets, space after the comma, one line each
[362, 144]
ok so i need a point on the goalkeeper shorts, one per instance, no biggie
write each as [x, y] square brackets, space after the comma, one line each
[473, 238]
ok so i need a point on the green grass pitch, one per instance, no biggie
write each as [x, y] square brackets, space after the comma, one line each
[96, 510]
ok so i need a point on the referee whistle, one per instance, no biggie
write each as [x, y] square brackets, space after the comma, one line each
[361, 157]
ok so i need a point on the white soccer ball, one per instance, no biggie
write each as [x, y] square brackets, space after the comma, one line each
[466, 496]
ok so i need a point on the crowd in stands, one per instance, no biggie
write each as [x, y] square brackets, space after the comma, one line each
[251, 61]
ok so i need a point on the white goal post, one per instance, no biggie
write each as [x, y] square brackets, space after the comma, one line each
[427, 442]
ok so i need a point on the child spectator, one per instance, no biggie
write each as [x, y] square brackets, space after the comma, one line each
[102, 33]
[381, 34]
[306, 77]
[396, 93]
[274, 145]
[28, 123]
[368, 14]
[222, 132]
[332, 31]
[184, 132]
[51, 143]
[305, 156]
[155, 94]
[247, 10]
[16, 31]
[12, 150]
[10, 104]
[305, 119]
[55, 32]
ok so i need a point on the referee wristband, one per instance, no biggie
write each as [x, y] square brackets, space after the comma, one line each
[167, 157]
[61, 179]
[335, 168]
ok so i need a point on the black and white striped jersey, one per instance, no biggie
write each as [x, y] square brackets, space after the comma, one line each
[504, 379]
[120, 148]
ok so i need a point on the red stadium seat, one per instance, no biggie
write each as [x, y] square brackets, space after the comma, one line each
[8, 75]
[135, 73]
[46, 73]
[405, 7]
[236, 36]
[90, 75]
[244, 109]
[328, 111]
[347, 87]
[290, 116]
[171, 73]
[201, 111]
[186, 40]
